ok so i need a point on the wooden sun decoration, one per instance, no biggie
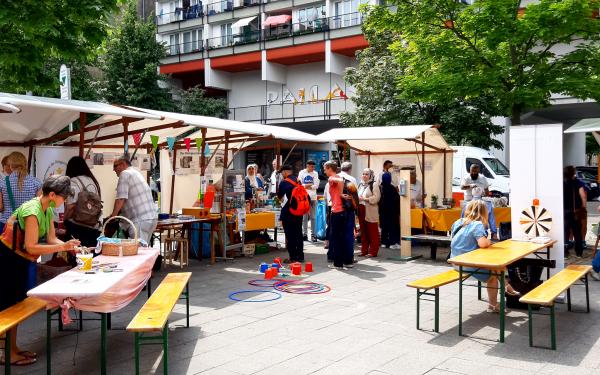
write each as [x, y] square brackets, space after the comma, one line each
[535, 221]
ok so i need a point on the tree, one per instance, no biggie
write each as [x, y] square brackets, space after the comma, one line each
[130, 65]
[35, 31]
[195, 102]
[83, 85]
[513, 57]
[592, 148]
[378, 100]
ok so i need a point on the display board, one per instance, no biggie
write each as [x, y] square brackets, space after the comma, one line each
[536, 166]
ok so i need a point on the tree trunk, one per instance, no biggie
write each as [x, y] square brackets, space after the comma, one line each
[515, 117]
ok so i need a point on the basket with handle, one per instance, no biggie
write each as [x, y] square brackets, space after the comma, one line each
[126, 247]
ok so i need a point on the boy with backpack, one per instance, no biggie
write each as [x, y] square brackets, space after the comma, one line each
[296, 203]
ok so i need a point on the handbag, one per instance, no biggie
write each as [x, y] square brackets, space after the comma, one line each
[524, 276]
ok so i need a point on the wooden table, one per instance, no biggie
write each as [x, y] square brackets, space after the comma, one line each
[99, 292]
[495, 258]
[185, 224]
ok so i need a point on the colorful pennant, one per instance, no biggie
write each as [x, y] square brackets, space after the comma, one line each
[171, 143]
[137, 138]
[199, 144]
[188, 143]
[154, 140]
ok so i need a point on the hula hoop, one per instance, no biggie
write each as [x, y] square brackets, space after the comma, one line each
[233, 298]
[301, 287]
[263, 283]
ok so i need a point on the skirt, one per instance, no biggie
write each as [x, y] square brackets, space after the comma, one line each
[14, 277]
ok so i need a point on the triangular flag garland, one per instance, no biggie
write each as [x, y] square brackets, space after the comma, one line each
[154, 140]
[199, 144]
[137, 138]
[188, 143]
[171, 143]
[207, 151]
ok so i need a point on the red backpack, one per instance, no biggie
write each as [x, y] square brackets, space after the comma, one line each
[299, 204]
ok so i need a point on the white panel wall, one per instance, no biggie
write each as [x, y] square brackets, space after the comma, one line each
[536, 172]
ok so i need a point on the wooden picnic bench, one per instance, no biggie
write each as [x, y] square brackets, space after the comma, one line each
[434, 282]
[14, 316]
[431, 239]
[154, 315]
[545, 295]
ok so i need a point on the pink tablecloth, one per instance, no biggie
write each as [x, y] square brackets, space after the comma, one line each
[100, 292]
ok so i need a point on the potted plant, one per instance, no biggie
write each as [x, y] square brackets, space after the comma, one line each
[434, 201]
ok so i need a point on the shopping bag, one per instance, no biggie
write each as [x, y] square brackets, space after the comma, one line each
[321, 220]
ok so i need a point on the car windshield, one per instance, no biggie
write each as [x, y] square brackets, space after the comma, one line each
[497, 166]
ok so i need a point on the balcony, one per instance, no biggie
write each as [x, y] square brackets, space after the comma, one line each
[180, 14]
[234, 40]
[290, 112]
[184, 48]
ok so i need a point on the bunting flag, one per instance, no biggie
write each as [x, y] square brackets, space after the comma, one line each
[137, 138]
[154, 140]
[188, 143]
[171, 143]
[199, 144]
[207, 151]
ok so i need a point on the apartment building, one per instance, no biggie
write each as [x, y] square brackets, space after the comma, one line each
[276, 61]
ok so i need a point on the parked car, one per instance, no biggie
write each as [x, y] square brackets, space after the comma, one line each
[590, 179]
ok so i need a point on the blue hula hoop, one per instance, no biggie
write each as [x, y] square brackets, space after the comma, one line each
[233, 298]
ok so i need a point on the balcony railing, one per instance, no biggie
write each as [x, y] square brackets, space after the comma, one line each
[290, 112]
[270, 33]
[180, 14]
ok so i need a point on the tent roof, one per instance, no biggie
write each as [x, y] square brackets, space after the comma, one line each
[25, 118]
[386, 139]
[585, 125]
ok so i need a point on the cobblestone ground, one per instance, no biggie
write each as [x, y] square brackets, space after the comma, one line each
[365, 325]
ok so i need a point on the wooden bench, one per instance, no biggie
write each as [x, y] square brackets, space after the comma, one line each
[14, 316]
[545, 295]
[433, 282]
[430, 239]
[154, 315]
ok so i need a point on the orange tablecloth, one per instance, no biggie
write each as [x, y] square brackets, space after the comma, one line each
[260, 221]
[442, 220]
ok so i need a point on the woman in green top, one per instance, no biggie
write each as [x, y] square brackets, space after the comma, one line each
[29, 233]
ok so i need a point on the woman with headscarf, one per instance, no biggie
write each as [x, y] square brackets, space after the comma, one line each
[389, 212]
[368, 213]
[254, 182]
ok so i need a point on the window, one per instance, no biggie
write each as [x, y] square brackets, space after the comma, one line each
[173, 44]
[192, 41]
[482, 167]
[310, 17]
[497, 166]
[226, 34]
[346, 13]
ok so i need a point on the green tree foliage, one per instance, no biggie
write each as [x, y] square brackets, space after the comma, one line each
[592, 148]
[378, 100]
[130, 65]
[513, 58]
[195, 102]
[36, 31]
[83, 85]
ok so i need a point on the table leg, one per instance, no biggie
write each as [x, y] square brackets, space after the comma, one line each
[7, 351]
[212, 241]
[460, 286]
[166, 348]
[103, 344]
[48, 341]
[136, 340]
[548, 258]
[502, 305]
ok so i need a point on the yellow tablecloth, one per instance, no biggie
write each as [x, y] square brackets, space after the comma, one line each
[442, 220]
[260, 221]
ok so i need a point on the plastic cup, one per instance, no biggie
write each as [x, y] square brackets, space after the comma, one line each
[296, 269]
[276, 265]
[263, 267]
[269, 274]
[308, 267]
[84, 261]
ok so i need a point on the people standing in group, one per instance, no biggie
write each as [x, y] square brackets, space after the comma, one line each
[416, 190]
[388, 166]
[16, 188]
[274, 180]
[327, 199]
[134, 200]
[469, 234]
[389, 213]
[5, 167]
[84, 208]
[350, 196]
[337, 253]
[309, 178]
[253, 182]
[33, 224]
[368, 213]
[292, 224]
[474, 179]
[574, 203]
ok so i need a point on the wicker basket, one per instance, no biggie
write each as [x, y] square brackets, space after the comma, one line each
[126, 247]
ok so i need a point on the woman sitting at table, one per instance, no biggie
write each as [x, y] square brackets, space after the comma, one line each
[468, 234]
[29, 233]
[254, 182]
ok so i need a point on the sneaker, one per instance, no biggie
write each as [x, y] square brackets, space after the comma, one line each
[595, 275]
[341, 268]
[349, 265]
[395, 247]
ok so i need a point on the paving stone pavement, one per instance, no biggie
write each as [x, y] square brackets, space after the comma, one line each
[365, 325]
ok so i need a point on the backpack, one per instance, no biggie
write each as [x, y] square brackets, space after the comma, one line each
[351, 190]
[88, 208]
[300, 201]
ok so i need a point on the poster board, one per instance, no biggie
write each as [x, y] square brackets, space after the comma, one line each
[536, 165]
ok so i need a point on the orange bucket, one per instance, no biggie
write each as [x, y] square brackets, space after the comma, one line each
[308, 267]
[269, 274]
[296, 269]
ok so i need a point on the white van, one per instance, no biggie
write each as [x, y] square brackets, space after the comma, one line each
[496, 173]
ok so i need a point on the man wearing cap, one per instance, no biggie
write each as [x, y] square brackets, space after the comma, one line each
[309, 178]
[292, 224]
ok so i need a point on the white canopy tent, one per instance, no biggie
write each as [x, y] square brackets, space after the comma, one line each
[421, 147]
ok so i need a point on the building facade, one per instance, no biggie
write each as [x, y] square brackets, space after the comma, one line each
[277, 61]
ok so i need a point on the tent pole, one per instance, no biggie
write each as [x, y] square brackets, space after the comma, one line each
[226, 156]
[126, 136]
[214, 153]
[290, 153]
[202, 149]
[173, 180]
[423, 170]
[278, 154]
[445, 192]
[82, 124]
[29, 158]
[369, 160]
[235, 153]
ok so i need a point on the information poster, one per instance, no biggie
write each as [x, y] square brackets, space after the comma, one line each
[188, 163]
